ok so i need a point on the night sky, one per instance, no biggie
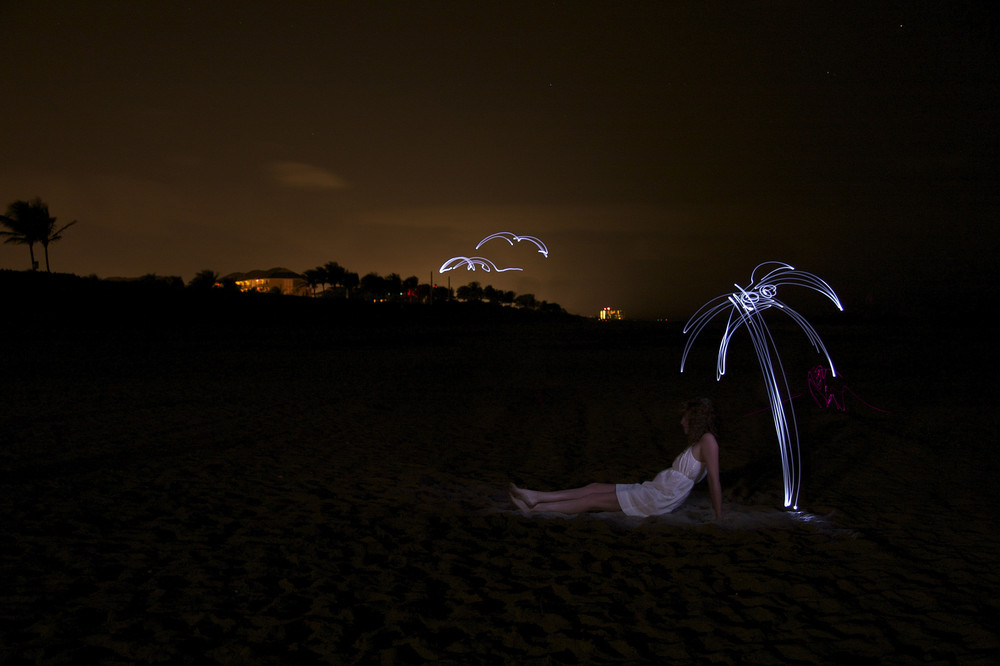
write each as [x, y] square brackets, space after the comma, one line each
[659, 149]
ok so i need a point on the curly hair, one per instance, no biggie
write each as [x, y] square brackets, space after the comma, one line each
[701, 418]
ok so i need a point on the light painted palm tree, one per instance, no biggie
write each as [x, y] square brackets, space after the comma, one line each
[746, 306]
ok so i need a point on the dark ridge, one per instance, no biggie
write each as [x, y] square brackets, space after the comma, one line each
[41, 301]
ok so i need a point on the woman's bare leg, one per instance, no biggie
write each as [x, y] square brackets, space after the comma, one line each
[533, 497]
[592, 497]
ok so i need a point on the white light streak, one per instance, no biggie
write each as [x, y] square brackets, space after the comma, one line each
[470, 264]
[511, 237]
[746, 307]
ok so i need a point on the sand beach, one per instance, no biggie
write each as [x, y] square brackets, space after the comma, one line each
[248, 487]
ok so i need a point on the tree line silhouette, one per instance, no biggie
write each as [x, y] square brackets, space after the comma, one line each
[331, 280]
[29, 223]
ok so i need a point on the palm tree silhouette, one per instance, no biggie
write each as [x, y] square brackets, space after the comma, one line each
[29, 222]
[335, 274]
[314, 277]
[204, 280]
[20, 228]
[746, 307]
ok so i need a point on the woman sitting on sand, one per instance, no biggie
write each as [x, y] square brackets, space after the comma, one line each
[662, 495]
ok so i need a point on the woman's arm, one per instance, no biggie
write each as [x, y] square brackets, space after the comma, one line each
[710, 454]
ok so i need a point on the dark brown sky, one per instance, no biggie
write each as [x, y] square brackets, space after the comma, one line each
[660, 149]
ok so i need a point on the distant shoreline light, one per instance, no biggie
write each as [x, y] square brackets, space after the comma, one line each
[610, 314]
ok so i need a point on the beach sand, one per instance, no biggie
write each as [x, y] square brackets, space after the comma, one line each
[322, 492]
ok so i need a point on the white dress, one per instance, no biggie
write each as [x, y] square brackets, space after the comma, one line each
[664, 493]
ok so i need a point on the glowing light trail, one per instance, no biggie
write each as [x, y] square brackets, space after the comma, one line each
[746, 307]
[510, 238]
[824, 395]
[470, 264]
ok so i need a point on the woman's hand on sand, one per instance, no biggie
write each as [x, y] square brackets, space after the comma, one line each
[721, 516]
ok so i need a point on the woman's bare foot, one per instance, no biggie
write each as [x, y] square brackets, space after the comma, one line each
[521, 506]
[521, 498]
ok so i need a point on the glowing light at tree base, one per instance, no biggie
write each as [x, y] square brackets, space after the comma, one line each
[825, 395]
[746, 306]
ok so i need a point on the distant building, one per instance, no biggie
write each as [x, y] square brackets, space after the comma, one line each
[608, 314]
[275, 279]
